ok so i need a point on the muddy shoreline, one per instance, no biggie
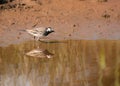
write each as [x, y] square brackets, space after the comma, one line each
[71, 19]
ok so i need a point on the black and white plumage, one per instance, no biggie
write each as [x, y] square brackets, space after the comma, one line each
[40, 32]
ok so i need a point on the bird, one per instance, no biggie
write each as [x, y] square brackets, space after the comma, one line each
[40, 32]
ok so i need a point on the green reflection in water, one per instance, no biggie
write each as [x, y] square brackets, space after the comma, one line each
[102, 63]
[74, 63]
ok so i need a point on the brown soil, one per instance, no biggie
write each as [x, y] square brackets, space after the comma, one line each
[71, 19]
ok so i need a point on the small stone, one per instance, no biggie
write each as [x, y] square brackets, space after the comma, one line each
[74, 25]
[18, 37]
[69, 34]
[20, 33]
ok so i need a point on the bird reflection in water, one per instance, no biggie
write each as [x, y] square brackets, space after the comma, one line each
[40, 53]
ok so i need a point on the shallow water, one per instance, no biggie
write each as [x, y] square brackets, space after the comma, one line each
[72, 63]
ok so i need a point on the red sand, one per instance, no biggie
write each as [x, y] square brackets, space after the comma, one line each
[71, 19]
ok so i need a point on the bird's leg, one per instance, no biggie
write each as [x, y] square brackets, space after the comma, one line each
[38, 38]
[37, 45]
[34, 37]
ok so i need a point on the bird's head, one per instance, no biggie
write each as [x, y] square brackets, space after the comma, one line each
[48, 30]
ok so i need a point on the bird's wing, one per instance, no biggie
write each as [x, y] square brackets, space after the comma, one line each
[36, 31]
[32, 31]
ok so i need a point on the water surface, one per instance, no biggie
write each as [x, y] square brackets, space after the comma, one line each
[72, 63]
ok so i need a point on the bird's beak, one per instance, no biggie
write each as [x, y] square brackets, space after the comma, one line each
[53, 31]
